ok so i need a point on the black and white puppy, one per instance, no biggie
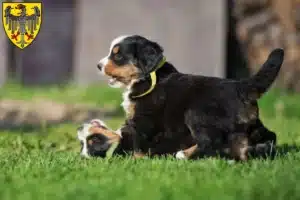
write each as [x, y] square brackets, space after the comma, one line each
[158, 99]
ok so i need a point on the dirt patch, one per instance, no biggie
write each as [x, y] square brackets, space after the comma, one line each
[15, 113]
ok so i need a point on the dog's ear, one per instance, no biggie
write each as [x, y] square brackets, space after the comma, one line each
[149, 54]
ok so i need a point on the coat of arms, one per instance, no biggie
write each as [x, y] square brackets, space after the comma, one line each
[22, 22]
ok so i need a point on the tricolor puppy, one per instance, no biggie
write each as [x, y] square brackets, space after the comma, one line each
[96, 138]
[158, 99]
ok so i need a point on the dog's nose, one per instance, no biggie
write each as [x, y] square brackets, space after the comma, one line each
[80, 128]
[100, 66]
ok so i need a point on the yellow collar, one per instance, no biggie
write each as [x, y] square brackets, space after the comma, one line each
[153, 78]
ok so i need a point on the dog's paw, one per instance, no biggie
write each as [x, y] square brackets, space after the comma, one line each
[180, 155]
[98, 123]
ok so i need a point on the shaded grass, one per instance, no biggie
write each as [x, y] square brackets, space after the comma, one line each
[44, 163]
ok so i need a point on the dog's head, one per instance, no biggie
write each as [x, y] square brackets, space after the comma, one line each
[96, 139]
[130, 59]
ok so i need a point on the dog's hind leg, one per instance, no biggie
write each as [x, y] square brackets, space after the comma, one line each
[188, 153]
[204, 144]
[207, 137]
[263, 150]
[238, 146]
[259, 134]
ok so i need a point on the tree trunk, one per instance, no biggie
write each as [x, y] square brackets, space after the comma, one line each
[266, 24]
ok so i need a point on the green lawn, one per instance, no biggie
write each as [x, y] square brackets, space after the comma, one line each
[43, 163]
[99, 95]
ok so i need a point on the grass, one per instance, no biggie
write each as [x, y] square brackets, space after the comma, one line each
[43, 163]
[98, 95]
[48, 175]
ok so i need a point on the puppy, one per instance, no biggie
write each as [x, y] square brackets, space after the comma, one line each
[97, 139]
[158, 99]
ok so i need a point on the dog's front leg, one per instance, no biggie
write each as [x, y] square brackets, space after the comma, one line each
[140, 143]
[140, 129]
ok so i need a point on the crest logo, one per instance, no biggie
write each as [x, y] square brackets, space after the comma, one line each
[22, 22]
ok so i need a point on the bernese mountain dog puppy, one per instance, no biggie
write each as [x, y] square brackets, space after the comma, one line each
[98, 140]
[158, 99]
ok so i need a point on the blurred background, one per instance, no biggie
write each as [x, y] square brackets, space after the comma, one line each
[225, 38]
[55, 79]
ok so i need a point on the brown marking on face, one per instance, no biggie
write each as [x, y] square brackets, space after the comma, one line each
[190, 152]
[116, 49]
[124, 73]
[90, 142]
[109, 134]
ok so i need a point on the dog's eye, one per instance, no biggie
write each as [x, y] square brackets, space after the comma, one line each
[95, 139]
[118, 57]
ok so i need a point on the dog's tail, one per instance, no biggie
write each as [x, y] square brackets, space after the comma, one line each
[257, 85]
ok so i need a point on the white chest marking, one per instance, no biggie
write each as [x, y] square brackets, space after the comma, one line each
[126, 101]
[127, 104]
